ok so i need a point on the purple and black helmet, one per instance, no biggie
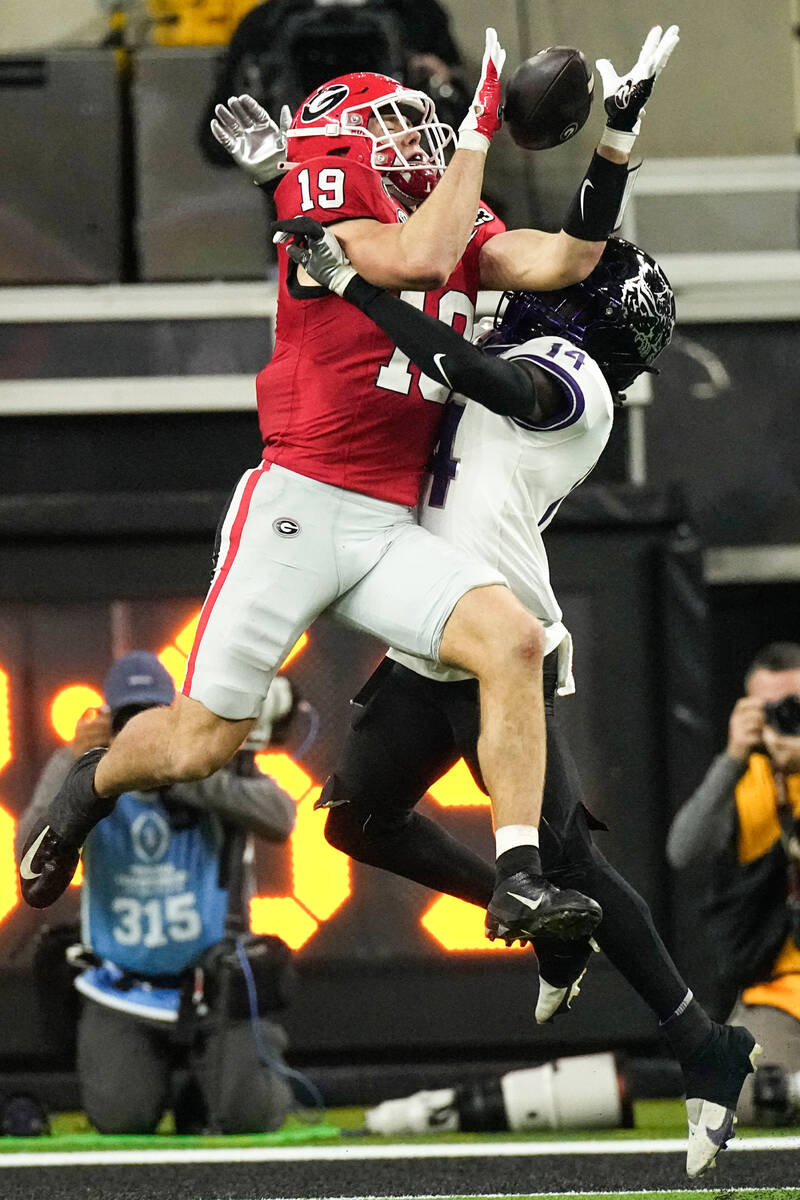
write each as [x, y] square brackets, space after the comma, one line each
[622, 314]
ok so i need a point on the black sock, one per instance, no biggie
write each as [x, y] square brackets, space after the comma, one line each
[627, 935]
[76, 808]
[560, 963]
[519, 858]
[688, 1029]
[718, 1069]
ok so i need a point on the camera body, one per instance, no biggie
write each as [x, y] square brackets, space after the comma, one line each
[784, 716]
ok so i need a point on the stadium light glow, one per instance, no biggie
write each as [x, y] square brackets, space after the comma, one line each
[9, 886]
[6, 746]
[283, 917]
[457, 789]
[321, 881]
[456, 925]
[69, 705]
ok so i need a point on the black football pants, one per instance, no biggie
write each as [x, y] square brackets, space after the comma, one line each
[406, 732]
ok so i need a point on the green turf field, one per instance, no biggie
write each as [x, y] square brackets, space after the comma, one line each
[329, 1154]
[339, 1126]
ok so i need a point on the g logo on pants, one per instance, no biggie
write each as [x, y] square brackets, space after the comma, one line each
[286, 526]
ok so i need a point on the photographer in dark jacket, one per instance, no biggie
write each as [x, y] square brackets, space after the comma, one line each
[155, 911]
[745, 818]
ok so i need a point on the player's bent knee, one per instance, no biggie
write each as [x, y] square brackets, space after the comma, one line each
[355, 831]
[343, 830]
[491, 634]
[515, 646]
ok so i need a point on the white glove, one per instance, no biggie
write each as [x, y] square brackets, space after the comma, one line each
[624, 96]
[483, 116]
[316, 249]
[251, 137]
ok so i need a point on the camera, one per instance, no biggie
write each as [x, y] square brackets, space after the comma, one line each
[784, 716]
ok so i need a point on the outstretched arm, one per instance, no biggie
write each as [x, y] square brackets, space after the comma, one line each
[441, 353]
[538, 261]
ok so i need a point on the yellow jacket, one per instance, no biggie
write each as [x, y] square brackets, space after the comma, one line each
[758, 831]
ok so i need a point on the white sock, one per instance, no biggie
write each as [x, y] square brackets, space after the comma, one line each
[509, 836]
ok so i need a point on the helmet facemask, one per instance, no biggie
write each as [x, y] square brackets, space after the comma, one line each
[415, 173]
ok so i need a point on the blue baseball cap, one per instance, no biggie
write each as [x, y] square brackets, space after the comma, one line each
[137, 678]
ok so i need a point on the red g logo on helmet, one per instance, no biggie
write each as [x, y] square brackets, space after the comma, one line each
[323, 101]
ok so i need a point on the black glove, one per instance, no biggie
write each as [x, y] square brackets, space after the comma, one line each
[316, 249]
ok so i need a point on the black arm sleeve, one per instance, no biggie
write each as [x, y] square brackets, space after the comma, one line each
[597, 207]
[444, 355]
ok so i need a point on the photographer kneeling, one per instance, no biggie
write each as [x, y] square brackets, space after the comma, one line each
[744, 819]
[174, 990]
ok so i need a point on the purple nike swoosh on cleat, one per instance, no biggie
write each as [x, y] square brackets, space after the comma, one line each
[720, 1136]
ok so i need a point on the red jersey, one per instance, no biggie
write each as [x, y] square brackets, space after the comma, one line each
[338, 401]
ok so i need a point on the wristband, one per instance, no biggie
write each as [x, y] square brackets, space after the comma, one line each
[620, 139]
[470, 139]
[595, 209]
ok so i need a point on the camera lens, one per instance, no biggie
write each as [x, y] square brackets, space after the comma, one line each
[784, 716]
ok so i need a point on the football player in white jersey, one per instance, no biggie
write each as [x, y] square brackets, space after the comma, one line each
[551, 370]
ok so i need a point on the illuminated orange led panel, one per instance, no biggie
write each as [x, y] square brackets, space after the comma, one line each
[286, 773]
[184, 639]
[174, 663]
[283, 917]
[296, 649]
[320, 873]
[68, 707]
[9, 888]
[457, 789]
[5, 720]
[456, 925]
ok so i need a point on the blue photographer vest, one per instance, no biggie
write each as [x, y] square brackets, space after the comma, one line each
[150, 901]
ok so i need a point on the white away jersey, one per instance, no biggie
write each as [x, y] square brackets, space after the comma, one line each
[496, 483]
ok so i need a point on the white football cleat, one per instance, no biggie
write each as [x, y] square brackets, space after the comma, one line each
[551, 998]
[711, 1127]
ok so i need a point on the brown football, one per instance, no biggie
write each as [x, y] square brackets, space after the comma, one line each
[548, 98]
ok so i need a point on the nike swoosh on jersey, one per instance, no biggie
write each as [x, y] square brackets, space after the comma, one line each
[586, 183]
[526, 900]
[27, 862]
[442, 371]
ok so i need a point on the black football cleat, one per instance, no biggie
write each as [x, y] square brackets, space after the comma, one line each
[524, 905]
[713, 1079]
[52, 848]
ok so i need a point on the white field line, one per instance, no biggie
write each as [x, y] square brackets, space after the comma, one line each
[286, 1154]
[543, 1195]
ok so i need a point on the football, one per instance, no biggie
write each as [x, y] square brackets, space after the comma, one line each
[548, 98]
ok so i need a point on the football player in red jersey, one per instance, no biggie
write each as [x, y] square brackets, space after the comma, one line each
[327, 520]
